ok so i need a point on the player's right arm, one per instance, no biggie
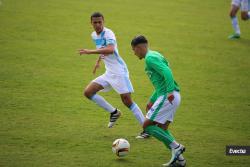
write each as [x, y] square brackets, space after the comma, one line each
[110, 41]
[151, 101]
[109, 49]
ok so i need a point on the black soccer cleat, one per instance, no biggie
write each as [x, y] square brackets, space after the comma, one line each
[113, 118]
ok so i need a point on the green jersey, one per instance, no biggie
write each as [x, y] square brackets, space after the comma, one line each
[160, 74]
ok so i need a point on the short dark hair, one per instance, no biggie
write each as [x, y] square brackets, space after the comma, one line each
[96, 14]
[139, 40]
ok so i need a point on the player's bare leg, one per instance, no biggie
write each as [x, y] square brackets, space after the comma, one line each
[164, 126]
[235, 24]
[91, 89]
[127, 101]
[90, 92]
[245, 15]
[245, 10]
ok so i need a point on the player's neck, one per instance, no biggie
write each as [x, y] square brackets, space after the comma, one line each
[146, 53]
[98, 33]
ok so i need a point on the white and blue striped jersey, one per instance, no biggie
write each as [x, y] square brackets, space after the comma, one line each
[114, 64]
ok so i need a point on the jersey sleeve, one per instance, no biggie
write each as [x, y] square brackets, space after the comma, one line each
[163, 70]
[153, 97]
[93, 37]
[110, 38]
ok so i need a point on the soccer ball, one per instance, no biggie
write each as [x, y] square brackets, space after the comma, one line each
[121, 147]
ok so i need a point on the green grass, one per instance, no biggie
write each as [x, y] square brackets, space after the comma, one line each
[45, 121]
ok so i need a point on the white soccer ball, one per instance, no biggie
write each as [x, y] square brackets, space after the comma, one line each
[121, 147]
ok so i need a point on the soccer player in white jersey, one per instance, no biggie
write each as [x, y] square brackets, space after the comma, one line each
[244, 6]
[116, 75]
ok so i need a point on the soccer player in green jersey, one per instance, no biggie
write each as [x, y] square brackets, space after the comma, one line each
[163, 102]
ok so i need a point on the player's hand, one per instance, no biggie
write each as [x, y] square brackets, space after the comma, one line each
[171, 98]
[149, 105]
[84, 51]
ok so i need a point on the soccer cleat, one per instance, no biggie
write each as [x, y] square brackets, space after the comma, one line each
[143, 135]
[178, 163]
[175, 154]
[113, 118]
[234, 36]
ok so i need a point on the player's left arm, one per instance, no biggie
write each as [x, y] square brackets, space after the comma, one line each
[97, 64]
[151, 101]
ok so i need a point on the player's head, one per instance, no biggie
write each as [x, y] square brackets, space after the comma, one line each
[140, 46]
[97, 21]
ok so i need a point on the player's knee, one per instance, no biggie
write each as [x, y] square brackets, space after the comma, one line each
[232, 15]
[244, 17]
[127, 101]
[87, 93]
[233, 12]
[146, 124]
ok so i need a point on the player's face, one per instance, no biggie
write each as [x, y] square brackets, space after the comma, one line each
[97, 23]
[140, 50]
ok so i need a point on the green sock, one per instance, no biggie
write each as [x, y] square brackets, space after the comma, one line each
[160, 134]
[170, 134]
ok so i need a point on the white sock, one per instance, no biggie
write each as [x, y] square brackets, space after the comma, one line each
[235, 25]
[174, 145]
[99, 100]
[181, 157]
[137, 112]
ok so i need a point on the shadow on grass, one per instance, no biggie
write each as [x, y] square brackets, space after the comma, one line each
[244, 41]
[123, 161]
[131, 162]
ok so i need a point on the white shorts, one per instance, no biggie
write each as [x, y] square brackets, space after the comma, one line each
[163, 110]
[243, 4]
[120, 83]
